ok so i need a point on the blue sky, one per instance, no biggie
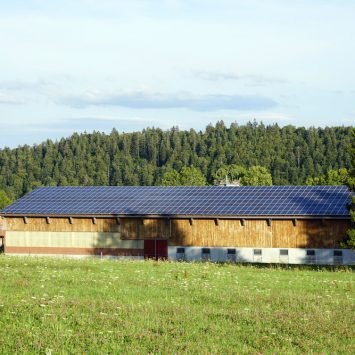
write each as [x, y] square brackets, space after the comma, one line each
[81, 65]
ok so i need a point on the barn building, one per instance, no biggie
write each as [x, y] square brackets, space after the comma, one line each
[270, 224]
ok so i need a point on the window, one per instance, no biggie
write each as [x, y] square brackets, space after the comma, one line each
[231, 255]
[180, 253]
[206, 254]
[310, 256]
[338, 257]
[257, 257]
[283, 257]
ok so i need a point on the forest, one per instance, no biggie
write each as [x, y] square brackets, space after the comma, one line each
[292, 155]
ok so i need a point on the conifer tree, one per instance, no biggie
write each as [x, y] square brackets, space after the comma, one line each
[290, 154]
[350, 241]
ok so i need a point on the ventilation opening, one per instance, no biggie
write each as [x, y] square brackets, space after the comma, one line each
[283, 257]
[180, 254]
[206, 254]
[338, 257]
[257, 256]
[310, 256]
[231, 255]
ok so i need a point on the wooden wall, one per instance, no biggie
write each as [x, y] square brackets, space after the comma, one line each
[62, 225]
[203, 232]
[257, 233]
[133, 228]
[2, 227]
[70, 239]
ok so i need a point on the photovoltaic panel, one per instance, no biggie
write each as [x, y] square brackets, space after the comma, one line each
[185, 200]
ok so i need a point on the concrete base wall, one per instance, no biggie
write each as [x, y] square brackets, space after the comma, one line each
[268, 255]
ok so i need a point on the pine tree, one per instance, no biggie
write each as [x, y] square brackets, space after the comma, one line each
[4, 199]
[350, 241]
[290, 154]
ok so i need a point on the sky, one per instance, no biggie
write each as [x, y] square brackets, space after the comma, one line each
[84, 65]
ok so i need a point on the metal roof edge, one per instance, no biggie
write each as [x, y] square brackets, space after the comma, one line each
[180, 216]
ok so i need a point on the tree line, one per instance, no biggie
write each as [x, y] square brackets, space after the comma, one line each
[282, 155]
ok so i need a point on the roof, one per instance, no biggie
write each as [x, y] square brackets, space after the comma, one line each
[184, 201]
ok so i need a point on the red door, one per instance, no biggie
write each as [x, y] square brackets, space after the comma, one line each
[155, 249]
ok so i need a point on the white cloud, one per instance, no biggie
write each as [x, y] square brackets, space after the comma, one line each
[249, 59]
[146, 100]
[250, 79]
[9, 99]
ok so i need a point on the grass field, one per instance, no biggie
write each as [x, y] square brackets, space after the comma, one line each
[101, 306]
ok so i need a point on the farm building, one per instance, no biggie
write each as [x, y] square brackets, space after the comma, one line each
[287, 224]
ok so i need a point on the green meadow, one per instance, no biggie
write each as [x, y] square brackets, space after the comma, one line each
[94, 306]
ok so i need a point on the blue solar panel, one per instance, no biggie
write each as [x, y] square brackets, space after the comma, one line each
[187, 200]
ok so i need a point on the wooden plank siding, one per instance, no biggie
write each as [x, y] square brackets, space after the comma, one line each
[154, 228]
[2, 227]
[256, 233]
[40, 224]
[227, 233]
[306, 233]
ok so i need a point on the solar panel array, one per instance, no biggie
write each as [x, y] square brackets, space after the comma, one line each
[189, 200]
